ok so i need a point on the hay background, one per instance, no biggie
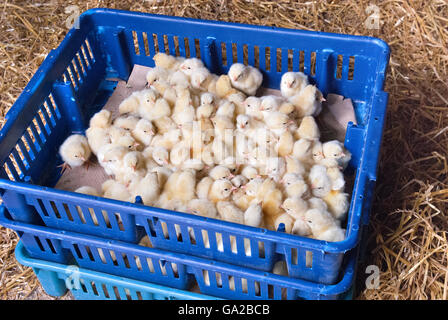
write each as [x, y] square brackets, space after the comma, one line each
[408, 232]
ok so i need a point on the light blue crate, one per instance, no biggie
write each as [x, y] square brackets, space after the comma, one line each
[85, 284]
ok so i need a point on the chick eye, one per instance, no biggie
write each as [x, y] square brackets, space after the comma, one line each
[76, 156]
[226, 189]
[335, 155]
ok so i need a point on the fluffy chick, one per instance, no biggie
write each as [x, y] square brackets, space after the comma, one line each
[220, 190]
[308, 101]
[147, 188]
[229, 212]
[245, 78]
[202, 207]
[166, 61]
[286, 220]
[320, 182]
[335, 155]
[115, 190]
[295, 207]
[323, 226]
[338, 204]
[292, 83]
[295, 186]
[253, 216]
[308, 129]
[75, 151]
[101, 119]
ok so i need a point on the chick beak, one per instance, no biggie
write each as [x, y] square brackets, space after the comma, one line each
[233, 189]
[136, 144]
[322, 99]
[151, 132]
[290, 122]
[258, 176]
[83, 159]
[289, 85]
[231, 176]
[165, 162]
[313, 186]
[133, 168]
[243, 187]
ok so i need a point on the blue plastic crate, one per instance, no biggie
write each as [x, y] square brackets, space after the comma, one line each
[85, 284]
[157, 266]
[74, 82]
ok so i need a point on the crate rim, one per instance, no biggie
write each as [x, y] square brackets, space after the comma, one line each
[142, 210]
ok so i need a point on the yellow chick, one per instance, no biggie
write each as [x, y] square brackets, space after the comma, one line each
[159, 109]
[308, 101]
[143, 132]
[188, 66]
[301, 228]
[295, 207]
[161, 156]
[253, 215]
[126, 122]
[97, 137]
[157, 74]
[226, 109]
[335, 155]
[238, 100]
[320, 182]
[302, 150]
[179, 79]
[166, 61]
[323, 226]
[164, 124]
[220, 190]
[163, 174]
[253, 106]
[241, 199]
[286, 220]
[294, 165]
[285, 144]
[337, 178]
[338, 204]
[201, 78]
[147, 188]
[224, 87]
[308, 129]
[203, 187]
[245, 78]
[110, 156]
[181, 185]
[292, 83]
[272, 200]
[88, 190]
[295, 186]
[75, 151]
[130, 104]
[220, 173]
[101, 119]
[180, 153]
[202, 207]
[250, 172]
[229, 212]
[115, 190]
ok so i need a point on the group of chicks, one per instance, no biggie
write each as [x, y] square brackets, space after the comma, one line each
[204, 144]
